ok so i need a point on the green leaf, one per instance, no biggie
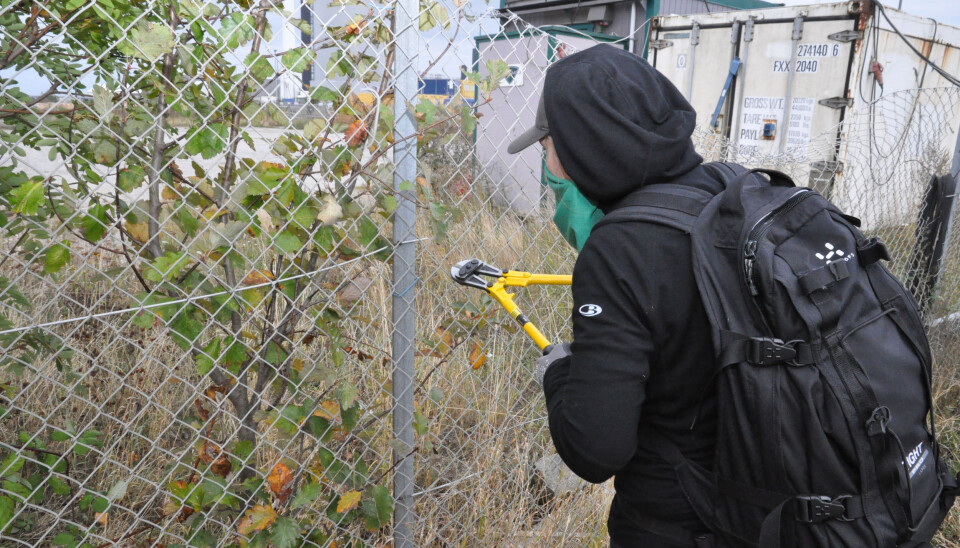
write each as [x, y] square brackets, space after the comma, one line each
[85, 502]
[287, 242]
[27, 197]
[234, 356]
[350, 417]
[285, 533]
[131, 177]
[347, 394]
[57, 435]
[368, 231]
[498, 69]
[100, 504]
[58, 486]
[148, 41]
[275, 355]
[323, 94]
[166, 267]
[377, 507]
[207, 359]
[308, 493]
[203, 539]
[436, 395]
[304, 216]
[237, 29]
[259, 66]
[298, 59]
[11, 465]
[185, 330]
[420, 424]
[388, 203]
[314, 128]
[57, 255]
[207, 140]
[104, 152]
[302, 25]
[64, 539]
[186, 221]
[468, 119]
[95, 223]
[427, 110]
[266, 177]
[7, 507]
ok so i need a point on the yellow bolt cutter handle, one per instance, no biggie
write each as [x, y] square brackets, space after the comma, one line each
[468, 273]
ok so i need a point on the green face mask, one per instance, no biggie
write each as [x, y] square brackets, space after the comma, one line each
[575, 214]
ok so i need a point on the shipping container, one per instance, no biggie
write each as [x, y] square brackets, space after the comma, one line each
[834, 89]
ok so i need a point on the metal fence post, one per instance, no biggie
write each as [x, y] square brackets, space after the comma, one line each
[404, 269]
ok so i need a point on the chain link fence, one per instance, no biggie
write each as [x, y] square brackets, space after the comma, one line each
[226, 316]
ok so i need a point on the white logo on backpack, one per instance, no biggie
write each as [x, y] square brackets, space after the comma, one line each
[916, 458]
[831, 252]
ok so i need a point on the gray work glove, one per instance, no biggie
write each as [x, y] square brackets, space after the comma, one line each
[552, 354]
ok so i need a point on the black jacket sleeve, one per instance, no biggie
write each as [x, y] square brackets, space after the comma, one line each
[595, 397]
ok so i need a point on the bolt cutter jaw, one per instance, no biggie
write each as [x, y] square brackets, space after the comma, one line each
[468, 273]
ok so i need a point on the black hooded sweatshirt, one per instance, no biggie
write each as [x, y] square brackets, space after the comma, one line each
[641, 354]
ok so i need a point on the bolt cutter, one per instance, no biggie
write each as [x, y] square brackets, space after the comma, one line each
[468, 273]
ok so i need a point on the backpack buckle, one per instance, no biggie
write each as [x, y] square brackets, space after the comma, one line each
[818, 508]
[765, 351]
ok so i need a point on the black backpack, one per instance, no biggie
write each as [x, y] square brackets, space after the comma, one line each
[825, 435]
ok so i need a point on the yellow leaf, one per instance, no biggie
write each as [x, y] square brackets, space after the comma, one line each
[477, 356]
[169, 193]
[348, 501]
[258, 277]
[446, 340]
[279, 482]
[101, 518]
[211, 213]
[139, 231]
[257, 518]
[329, 410]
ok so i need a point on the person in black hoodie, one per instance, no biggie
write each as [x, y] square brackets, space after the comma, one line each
[641, 357]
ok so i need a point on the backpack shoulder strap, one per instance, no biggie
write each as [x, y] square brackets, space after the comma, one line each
[725, 171]
[676, 206]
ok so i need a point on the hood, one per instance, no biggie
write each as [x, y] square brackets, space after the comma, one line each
[617, 123]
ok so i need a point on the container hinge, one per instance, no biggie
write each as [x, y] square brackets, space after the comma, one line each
[836, 102]
[695, 34]
[660, 44]
[797, 28]
[748, 31]
[845, 36]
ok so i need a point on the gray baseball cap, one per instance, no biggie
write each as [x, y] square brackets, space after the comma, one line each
[534, 134]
